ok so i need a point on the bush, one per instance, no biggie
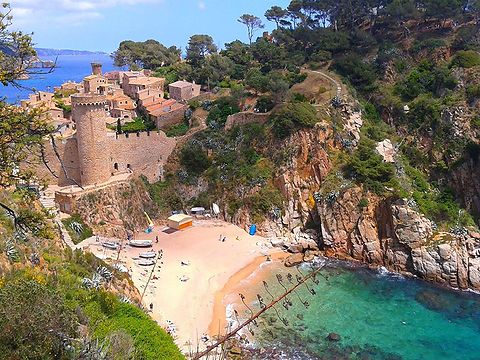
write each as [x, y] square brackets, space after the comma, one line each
[425, 78]
[221, 109]
[473, 92]
[366, 166]
[428, 44]
[264, 104]
[194, 159]
[31, 318]
[77, 237]
[177, 130]
[149, 340]
[466, 59]
[293, 116]
[360, 74]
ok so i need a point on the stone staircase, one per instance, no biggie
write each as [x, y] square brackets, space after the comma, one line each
[47, 199]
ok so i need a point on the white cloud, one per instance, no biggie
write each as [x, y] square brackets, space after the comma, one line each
[61, 12]
[201, 5]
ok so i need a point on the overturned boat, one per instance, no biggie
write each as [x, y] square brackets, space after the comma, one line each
[146, 262]
[110, 245]
[140, 243]
[148, 255]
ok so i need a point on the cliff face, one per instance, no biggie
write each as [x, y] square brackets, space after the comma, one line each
[114, 210]
[465, 180]
[350, 223]
[394, 235]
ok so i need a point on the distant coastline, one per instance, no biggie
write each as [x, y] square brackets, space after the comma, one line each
[57, 52]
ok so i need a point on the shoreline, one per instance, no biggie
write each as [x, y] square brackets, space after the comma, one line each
[218, 323]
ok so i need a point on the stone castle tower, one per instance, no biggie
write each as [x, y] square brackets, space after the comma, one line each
[88, 112]
[96, 68]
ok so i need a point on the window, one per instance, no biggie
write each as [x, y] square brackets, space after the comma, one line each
[115, 166]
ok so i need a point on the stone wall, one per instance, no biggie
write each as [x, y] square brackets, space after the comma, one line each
[170, 118]
[243, 118]
[143, 153]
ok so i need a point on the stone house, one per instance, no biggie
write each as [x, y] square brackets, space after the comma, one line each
[132, 85]
[183, 90]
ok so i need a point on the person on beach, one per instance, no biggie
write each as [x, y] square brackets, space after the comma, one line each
[151, 306]
[156, 239]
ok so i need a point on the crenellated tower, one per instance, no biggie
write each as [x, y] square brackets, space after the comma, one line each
[88, 112]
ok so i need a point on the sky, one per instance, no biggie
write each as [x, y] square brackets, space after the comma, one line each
[100, 25]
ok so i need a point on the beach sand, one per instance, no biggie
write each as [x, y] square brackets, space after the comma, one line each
[195, 306]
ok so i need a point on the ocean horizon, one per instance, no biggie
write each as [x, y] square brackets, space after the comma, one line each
[68, 68]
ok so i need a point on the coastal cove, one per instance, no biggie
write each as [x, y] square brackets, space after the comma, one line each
[377, 315]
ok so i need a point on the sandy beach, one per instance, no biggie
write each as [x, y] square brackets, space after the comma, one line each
[195, 306]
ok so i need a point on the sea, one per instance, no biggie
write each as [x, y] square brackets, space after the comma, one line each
[376, 314]
[68, 67]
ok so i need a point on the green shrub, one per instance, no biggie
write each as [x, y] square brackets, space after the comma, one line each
[360, 74]
[428, 44]
[466, 59]
[150, 341]
[366, 166]
[177, 130]
[31, 317]
[77, 237]
[363, 203]
[293, 116]
[473, 92]
[425, 78]
[321, 56]
[221, 109]
[264, 104]
[194, 159]
[263, 202]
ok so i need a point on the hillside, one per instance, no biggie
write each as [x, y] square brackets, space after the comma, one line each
[385, 173]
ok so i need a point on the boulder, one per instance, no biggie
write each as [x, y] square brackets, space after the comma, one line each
[333, 337]
[277, 242]
[294, 260]
[295, 248]
[386, 150]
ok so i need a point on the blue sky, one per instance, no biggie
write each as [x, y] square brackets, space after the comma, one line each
[102, 24]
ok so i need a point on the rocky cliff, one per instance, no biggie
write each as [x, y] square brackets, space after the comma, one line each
[350, 223]
[391, 233]
[119, 208]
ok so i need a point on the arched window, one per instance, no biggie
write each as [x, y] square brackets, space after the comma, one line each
[115, 166]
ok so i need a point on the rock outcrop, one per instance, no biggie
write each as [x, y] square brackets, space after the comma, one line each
[116, 209]
[394, 235]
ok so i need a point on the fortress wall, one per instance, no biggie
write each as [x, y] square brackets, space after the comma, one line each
[144, 153]
[70, 160]
[67, 149]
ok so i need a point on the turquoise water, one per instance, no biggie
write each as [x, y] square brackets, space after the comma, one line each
[378, 316]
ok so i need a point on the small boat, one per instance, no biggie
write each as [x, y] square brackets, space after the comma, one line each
[140, 243]
[146, 262]
[184, 278]
[148, 255]
[110, 245]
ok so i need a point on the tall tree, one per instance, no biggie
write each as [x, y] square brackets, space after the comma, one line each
[276, 14]
[16, 49]
[199, 46]
[252, 23]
